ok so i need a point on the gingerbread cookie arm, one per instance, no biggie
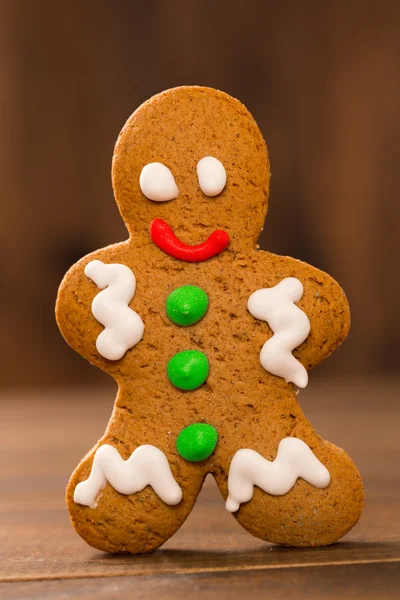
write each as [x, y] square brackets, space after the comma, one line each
[327, 308]
[93, 311]
[323, 301]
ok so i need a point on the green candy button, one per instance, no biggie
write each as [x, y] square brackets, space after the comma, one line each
[186, 305]
[187, 370]
[197, 442]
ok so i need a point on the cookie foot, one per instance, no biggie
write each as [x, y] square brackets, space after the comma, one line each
[290, 502]
[294, 459]
[132, 505]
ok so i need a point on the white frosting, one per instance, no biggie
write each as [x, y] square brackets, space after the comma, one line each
[294, 459]
[147, 465]
[290, 325]
[212, 175]
[157, 183]
[123, 326]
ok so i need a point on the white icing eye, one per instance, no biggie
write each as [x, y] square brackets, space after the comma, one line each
[212, 175]
[157, 183]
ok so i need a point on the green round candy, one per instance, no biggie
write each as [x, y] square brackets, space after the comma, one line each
[186, 305]
[187, 370]
[197, 442]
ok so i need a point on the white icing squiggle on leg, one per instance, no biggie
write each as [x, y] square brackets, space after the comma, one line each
[290, 325]
[123, 326]
[294, 459]
[147, 465]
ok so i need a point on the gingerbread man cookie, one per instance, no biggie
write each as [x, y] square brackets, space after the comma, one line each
[208, 340]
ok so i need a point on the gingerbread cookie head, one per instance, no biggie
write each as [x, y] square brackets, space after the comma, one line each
[194, 158]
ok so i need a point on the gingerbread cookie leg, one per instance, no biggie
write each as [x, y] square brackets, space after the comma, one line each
[303, 496]
[134, 504]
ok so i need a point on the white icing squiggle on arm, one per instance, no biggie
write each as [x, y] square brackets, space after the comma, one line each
[290, 325]
[294, 459]
[147, 465]
[123, 326]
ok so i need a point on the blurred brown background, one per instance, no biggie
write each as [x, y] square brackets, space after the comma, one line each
[321, 79]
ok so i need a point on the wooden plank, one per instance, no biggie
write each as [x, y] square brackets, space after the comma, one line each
[348, 582]
[45, 435]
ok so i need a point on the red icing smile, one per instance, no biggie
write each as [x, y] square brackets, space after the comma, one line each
[163, 237]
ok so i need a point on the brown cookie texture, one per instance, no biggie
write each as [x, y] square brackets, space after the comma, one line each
[248, 406]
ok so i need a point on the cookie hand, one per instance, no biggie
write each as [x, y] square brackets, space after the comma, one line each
[123, 326]
[291, 326]
[77, 305]
[324, 303]
[329, 314]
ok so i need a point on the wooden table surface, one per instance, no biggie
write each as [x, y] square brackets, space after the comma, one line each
[44, 435]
